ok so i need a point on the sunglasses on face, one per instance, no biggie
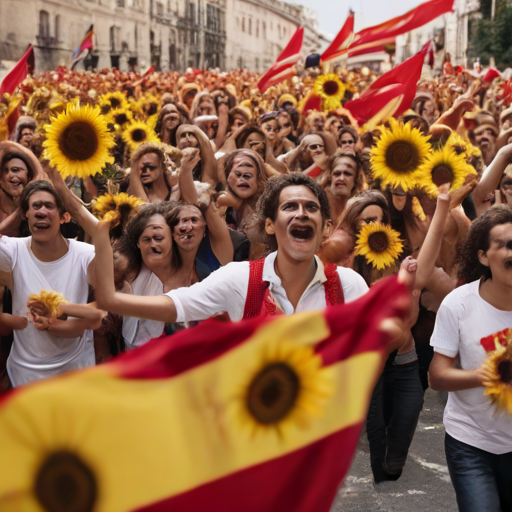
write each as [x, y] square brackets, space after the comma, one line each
[313, 147]
[344, 142]
[286, 125]
[150, 167]
[507, 184]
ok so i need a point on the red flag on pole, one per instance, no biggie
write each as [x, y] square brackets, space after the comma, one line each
[284, 66]
[342, 41]
[386, 32]
[392, 93]
[20, 71]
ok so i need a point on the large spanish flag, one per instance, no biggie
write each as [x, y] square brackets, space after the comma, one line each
[260, 415]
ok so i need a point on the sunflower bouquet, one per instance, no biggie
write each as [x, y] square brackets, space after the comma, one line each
[116, 208]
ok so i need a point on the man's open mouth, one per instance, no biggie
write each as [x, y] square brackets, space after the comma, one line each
[243, 185]
[41, 225]
[302, 233]
[155, 251]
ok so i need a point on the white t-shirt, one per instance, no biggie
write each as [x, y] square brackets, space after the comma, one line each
[36, 354]
[225, 290]
[463, 319]
[137, 331]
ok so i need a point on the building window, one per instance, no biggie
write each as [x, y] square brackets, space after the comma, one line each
[257, 64]
[159, 9]
[114, 40]
[120, 3]
[136, 36]
[257, 28]
[250, 25]
[44, 24]
[243, 24]
[264, 28]
[57, 28]
[238, 23]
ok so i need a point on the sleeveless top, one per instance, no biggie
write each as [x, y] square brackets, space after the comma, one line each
[259, 301]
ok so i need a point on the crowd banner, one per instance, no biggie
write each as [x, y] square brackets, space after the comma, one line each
[391, 94]
[262, 414]
[284, 66]
[372, 39]
[342, 41]
[86, 46]
[18, 73]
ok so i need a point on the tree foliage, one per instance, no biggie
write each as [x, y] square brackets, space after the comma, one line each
[493, 38]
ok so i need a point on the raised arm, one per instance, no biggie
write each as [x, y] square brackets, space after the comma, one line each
[160, 308]
[223, 113]
[491, 178]
[135, 187]
[190, 158]
[221, 243]
[7, 146]
[73, 205]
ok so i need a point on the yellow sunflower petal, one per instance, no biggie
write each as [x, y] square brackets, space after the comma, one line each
[51, 300]
[115, 208]
[331, 89]
[499, 385]
[398, 155]
[78, 142]
[379, 244]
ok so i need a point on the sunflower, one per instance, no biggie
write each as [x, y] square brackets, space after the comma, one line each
[499, 371]
[462, 147]
[379, 244]
[331, 89]
[444, 166]
[114, 99]
[398, 155]
[137, 133]
[150, 104]
[288, 388]
[116, 208]
[77, 141]
[50, 300]
[120, 117]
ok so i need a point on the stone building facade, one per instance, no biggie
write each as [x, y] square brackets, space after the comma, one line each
[169, 34]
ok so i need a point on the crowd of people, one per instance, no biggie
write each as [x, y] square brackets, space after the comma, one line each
[133, 206]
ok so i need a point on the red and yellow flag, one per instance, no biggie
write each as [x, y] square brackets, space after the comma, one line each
[226, 417]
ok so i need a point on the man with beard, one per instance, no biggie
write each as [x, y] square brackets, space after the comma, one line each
[46, 261]
[292, 213]
[148, 180]
[469, 323]
[342, 180]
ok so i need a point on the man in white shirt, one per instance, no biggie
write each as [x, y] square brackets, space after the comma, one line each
[478, 439]
[45, 261]
[293, 210]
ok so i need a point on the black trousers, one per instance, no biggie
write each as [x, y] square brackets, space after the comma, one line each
[395, 407]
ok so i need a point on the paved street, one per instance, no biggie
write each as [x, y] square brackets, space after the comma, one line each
[424, 485]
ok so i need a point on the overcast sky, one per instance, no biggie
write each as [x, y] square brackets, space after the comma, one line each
[333, 13]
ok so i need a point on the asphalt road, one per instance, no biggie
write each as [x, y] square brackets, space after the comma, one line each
[425, 483]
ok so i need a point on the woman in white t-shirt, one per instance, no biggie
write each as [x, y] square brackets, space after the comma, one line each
[478, 440]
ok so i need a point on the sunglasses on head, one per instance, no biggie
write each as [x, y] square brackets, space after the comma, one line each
[315, 146]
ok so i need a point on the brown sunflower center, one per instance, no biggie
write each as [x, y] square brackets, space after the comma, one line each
[65, 484]
[331, 87]
[442, 174]
[121, 118]
[153, 109]
[139, 135]
[402, 156]
[78, 141]
[378, 242]
[273, 393]
[505, 371]
[105, 109]
[115, 102]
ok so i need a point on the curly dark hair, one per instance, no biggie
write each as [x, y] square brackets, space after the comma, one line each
[478, 239]
[268, 203]
[11, 155]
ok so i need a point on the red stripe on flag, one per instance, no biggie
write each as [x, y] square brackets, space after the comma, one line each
[290, 483]
[415, 18]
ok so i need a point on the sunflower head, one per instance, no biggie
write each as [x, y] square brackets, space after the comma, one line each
[116, 208]
[49, 300]
[444, 166]
[137, 133]
[120, 117]
[331, 89]
[77, 141]
[498, 385]
[115, 100]
[398, 155]
[288, 388]
[379, 244]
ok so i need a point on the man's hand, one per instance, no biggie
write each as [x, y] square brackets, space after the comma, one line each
[39, 316]
[190, 158]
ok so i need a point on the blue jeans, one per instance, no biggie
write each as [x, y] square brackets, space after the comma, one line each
[395, 407]
[482, 480]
